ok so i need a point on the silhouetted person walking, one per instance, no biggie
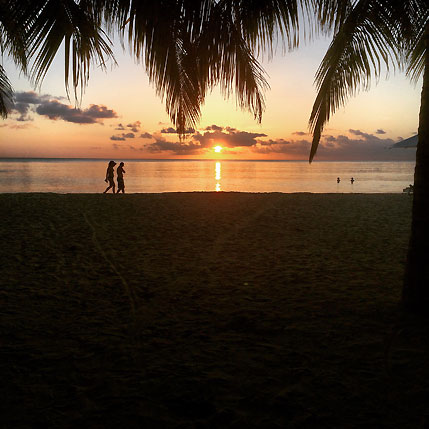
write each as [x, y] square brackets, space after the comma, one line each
[338, 180]
[120, 173]
[352, 180]
[109, 176]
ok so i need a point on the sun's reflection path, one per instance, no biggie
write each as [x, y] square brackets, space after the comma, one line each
[218, 176]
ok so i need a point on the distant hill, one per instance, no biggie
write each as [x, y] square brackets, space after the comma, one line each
[407, 143]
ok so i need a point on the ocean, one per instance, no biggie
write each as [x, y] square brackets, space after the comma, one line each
[153, 176]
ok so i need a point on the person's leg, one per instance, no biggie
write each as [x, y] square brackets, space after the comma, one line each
[111, 185]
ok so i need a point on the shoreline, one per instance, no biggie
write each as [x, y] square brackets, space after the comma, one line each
[205, 192]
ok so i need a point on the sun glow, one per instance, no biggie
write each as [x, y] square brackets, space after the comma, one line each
[218, 176]
[217, 149]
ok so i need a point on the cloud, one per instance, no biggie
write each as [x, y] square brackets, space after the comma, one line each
[231, 138]
[125, 147]
[94, 114]
[31, 97]
[51, 107]
[129, 147]
[380, 131]
[366, 136]
[171, 130]
[214, 128]
[178, 148]
[272, 142]
[297, 149]
[17, 126]
[199, 143]
[359, 145]
[135, 126]
[123, 136]
[299, 133]
[146, 136]
[24, 102]
[368, 147]
[99, 112]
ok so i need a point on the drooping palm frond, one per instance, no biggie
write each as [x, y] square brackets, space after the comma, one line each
[366, 34]
[331, 14]
[49, 24]
[262, 22]
[188, 47]
[12, 35]
[225, 58]
[161, 34]
[417, 46]
[366, 39]
[13, 44]
[6, 93]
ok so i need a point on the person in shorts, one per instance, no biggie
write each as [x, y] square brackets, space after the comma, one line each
[120, 177]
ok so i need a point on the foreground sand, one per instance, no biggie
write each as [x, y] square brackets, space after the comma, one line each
[208, 310]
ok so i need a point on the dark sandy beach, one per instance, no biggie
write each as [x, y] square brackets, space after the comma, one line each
[208, 310]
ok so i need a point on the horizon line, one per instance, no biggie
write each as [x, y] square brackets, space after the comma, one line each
[188, 160]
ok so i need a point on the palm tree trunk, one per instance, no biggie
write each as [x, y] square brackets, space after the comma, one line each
[415, 292]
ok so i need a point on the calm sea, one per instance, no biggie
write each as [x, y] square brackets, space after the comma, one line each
[87, 176]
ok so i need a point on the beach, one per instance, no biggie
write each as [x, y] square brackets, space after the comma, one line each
[208, 310]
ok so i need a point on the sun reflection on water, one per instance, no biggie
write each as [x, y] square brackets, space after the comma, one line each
[218, 176]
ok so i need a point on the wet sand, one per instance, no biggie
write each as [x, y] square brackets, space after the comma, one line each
[217, 310]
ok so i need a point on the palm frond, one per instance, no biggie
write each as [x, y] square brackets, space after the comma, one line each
[331, 14]
[74, 24]
[12, 34]
[225, 58]
[416, 58]
[416, 48]
[162, 38]
[261, 22]
[362, 43]
[6, 93]
[188, 47]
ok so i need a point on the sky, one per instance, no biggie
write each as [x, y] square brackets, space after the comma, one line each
[121, 117]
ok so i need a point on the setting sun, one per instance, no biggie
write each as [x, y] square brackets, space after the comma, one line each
[217, 149]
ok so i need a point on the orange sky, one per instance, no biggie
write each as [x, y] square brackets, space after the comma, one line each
[121, 117]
